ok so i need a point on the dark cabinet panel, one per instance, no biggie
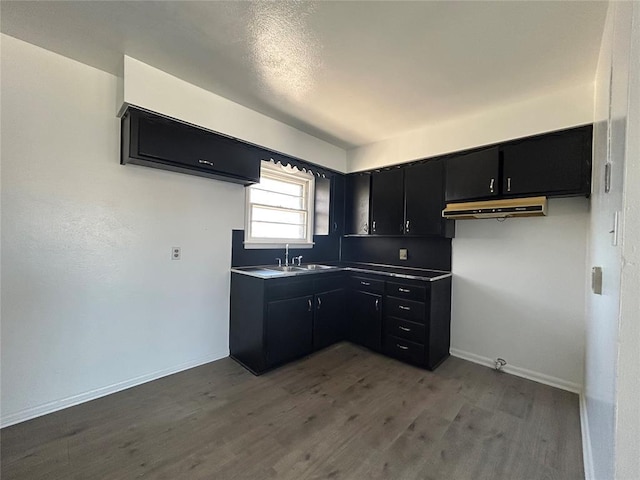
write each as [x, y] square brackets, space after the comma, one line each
[366, 319]
[424, 200]
[322, 206]
[357, 203]
[158, 142]
[553, 164]
[387, 202]
[473, 175]
[328, 322]
[338, 185]
[289, 329]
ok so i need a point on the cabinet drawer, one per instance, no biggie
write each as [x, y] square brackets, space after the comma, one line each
[406, 309]
[405, 329]
[404, 350]
[367, 284]
[402, 290]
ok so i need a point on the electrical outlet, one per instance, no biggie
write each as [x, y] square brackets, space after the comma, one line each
[404, 254]
[175, 253]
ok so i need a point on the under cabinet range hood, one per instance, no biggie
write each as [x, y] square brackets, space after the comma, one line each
[511, 207]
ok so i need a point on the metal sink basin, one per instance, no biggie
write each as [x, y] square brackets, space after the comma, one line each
[290, 268]
[315, 266]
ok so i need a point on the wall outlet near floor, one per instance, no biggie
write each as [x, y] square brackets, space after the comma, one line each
[175, 253]
[404, 254]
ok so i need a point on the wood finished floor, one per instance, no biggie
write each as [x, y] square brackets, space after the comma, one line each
[343, 413]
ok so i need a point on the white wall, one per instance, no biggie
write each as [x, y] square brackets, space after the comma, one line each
[553, 111]
[518, 292]
[150, 88]
[628, 414]
[612, 364]
[91, 301]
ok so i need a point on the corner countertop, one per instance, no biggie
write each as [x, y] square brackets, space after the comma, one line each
[270, 271]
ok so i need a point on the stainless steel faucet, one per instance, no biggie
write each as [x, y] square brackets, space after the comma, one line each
[286, 255]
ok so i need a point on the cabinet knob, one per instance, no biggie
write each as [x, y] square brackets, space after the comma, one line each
[406, 227]
[373, 226]
[493, 181]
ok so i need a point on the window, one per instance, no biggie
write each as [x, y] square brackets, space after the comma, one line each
[279, 209]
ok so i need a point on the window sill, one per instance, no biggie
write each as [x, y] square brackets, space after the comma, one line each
[264, 246]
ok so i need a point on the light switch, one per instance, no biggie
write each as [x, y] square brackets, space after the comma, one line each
[596, 280]
[404, 254]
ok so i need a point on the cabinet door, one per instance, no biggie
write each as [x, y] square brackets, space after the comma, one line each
[552, 164]
[337, 204]
[366, 319]
[328, 322]
[289, 329]
[357, 203]
[473, 175]
[387, 212]
[424, 199]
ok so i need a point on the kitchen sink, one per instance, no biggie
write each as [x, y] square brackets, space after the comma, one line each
[290, 268]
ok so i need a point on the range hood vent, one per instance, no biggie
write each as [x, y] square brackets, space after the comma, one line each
[512, 207]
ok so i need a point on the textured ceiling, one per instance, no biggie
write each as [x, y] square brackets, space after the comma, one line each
[350, 73]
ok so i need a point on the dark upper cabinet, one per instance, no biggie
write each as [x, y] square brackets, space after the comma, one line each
[552, 164]
[289, 329]
[357, 199]
[473, 175]
[328, 322]
[558, 163]
[424, 200]
[337, 204]
[387, 215]
[155, 141]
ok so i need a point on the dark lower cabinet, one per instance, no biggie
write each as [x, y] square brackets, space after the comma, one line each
[365, 322]
[289, 329]
[417, 319]
[275, 321]
[329, 318]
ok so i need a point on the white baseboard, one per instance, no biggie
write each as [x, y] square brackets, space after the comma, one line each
[50, 407]
[587, 453]
[520, 372]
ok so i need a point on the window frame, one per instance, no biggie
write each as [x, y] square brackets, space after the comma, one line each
[291, 175]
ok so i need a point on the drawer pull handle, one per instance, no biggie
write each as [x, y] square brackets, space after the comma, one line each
[404, 329]
[404, 290]
[366, 284]
[319, 303]
[377, 304]
[404, 307]
[205, 162]
[310, 304]
[401, 347]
